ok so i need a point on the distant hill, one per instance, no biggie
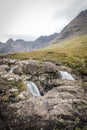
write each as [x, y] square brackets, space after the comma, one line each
[25, 46]
[76, 27]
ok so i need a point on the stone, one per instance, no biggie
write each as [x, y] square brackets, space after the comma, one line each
[4, 61]
[63, 104]
[13, 90]
[23, 95]
[18, 70]
[3, 68]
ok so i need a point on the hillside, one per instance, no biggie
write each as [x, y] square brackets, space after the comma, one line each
[76, 27]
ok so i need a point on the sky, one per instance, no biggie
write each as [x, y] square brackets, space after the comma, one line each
[29, 19]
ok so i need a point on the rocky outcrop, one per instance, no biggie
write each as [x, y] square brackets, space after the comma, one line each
[63, 104]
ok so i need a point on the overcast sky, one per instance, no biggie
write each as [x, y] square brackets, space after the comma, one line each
[28, 19]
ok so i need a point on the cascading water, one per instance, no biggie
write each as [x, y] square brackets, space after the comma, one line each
[66, 75]
[33, 88]
[12, 69]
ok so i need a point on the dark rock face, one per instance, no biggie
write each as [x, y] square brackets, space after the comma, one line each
[62, 106]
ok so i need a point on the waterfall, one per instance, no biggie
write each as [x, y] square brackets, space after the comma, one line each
[66, 75]
[33, 88]
[12, 69]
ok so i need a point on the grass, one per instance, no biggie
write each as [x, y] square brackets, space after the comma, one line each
[5, 86]
[71, 52]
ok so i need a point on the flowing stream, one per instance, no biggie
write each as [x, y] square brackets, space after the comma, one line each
[33, 88]
[12, 69]
[66, 75]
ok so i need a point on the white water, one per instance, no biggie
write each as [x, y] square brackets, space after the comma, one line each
[33, 88]
[66, 75]
[12, 69]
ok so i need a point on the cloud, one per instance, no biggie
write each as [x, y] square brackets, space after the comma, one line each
[23, 18]
[71, 10]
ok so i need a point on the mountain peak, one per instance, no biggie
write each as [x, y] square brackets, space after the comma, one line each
[19, 40]
[83, 13]
[10, 40]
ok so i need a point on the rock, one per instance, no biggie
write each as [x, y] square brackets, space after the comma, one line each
[23, 95]
[35, 67]
[63, 104]
[18, 70]
[13, 90]
[3, 69]
[63, 68]
[12, 62]
[8, 61]
[58, 63]
[11, 77]
[4, 61]
[26, 67]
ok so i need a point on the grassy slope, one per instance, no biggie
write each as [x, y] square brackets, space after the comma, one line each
[72, 53]
[74, 46]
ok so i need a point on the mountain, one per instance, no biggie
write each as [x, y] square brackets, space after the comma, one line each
[43, 41]
[1, 44]
[76, 27]
[25, 46]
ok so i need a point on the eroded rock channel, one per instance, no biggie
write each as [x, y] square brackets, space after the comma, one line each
[36, 96]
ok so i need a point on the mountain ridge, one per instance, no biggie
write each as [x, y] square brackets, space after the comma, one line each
[77, 27]
[20, 45]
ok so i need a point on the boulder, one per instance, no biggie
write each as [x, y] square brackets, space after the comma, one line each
[18, 70]
[34, 67]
